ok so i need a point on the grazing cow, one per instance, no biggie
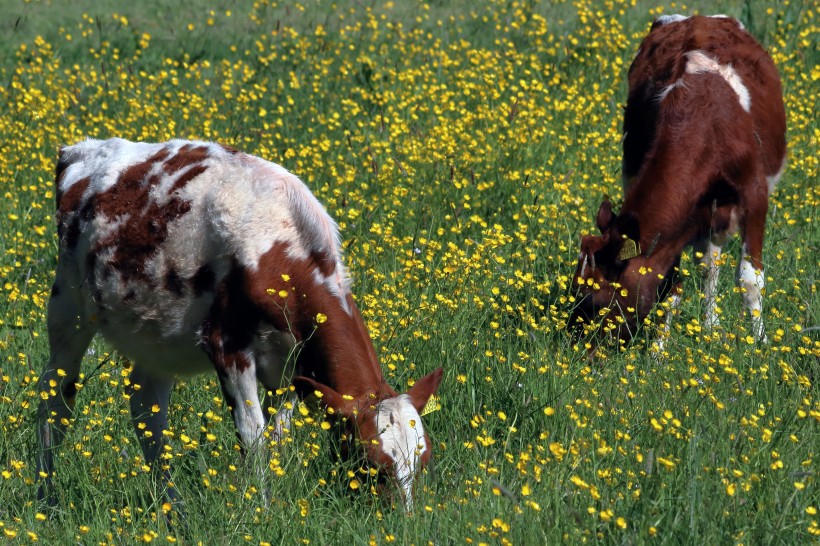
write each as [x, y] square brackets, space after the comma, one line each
[704, 145]
[189, 256]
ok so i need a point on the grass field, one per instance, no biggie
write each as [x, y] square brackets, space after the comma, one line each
[463, 148]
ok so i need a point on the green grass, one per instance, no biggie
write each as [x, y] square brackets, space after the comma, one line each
[463, 148]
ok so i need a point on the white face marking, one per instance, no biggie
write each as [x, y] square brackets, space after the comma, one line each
[699, 63]
[401, 435]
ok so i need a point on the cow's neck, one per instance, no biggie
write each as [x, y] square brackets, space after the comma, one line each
[340, 354]
[664, 212]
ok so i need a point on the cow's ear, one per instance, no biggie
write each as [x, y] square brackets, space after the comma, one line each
[424, 388]
[605, 215]
[329, 398]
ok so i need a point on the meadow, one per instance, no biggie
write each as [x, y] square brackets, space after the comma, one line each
[463, 147]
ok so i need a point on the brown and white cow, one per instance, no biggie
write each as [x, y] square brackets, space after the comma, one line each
[704, 145]
[189, 256]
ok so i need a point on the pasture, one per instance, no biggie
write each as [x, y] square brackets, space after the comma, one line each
[463, 149]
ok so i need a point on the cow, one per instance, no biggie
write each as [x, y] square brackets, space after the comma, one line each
[190, 256]
[703, 147]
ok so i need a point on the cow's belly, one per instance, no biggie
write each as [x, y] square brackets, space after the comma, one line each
[168, 355]
[161, 334]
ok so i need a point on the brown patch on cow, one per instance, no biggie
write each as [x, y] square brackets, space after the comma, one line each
[141, 235]
[324, 261]
[68, 226]
[230, 149]
[189, 175]
[69, 201]
[338, 352]
[232, 321]
[130, 193]
[187, 155]
[266, 284]
[145, 222]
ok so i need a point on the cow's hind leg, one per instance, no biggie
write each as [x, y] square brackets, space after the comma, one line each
[69, 333]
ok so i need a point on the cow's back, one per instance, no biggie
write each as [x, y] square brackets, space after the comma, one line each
[661, 63]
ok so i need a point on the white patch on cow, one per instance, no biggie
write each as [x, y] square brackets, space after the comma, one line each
[722, 16]
[677, 18]
[401, 436]
[699, 63]
[752, 281]
[242, 387]
[337, 284]
[673, 18]
[256, 195]
[669, 88]
[772, 181]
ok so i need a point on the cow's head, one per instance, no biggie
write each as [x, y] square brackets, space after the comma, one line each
[388, 429]
[615, 283]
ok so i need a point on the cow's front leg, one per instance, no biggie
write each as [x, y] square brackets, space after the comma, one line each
[149, 397]
[752, 280]
[241, 393]
[750, 276]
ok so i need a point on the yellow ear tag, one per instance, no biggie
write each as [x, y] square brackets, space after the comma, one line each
[433, 404]
[629, 249]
